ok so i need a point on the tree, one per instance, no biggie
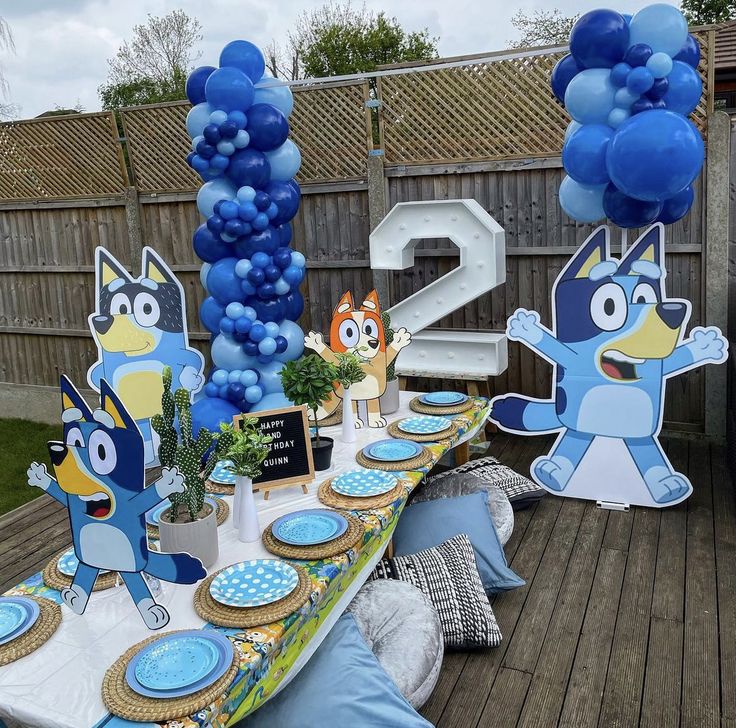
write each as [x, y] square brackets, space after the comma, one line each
[8, 110]
[705, 12]
[542, 27]
[338, 39]
[154, 65]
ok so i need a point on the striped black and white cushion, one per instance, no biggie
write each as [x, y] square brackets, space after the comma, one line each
[448, 575]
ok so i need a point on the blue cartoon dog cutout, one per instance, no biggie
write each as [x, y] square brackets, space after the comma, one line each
[140, 327]
[100, 478]
[615, 341]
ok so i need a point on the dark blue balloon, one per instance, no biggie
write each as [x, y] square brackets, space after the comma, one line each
[286, 233]
[196, 82]
[244, 56]
[658, 90]
[250, 348]
[282, 257]
[243, 247]
[584, 154]
[269, 310]
[222, 283]
[281, 344]
[256, 276]
[676, 207]
[564, 71]
[294, 305]
[659, 104]
[206, 150]
[287, 196]
[249, 167]
[267, 127]
[642, 104]
[229, 89]
[235, 227]
[210, 414]
[626, 212]
[684, 89]
[266, 291]
[638, 55]
[211, 133]
[599, 39]
[210, 314]
[261, 200]
[265, 358]
[208, 246]
[190, 158]
[265, 241]
[228, 129]
[216, 224]
[235, 392]
[690, 52]
[273, 273]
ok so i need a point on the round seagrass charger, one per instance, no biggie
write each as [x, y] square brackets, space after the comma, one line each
[121, 700]
[395, 431]
[427, 409]
[218, 488]
[347, 503]
[223, 510]
[335, 418]
[53, 578]
[350, 538]
[48, 621]
[419, 461]
[243, 617]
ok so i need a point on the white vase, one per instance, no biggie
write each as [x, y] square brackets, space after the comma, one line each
[348, 418]
[245, 513]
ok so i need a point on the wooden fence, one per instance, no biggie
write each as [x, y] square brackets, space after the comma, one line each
[137, 190]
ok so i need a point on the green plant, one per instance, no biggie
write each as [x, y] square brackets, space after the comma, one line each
[183, 450]
[310, 381]
[349, 369]
[388, 333]
[249, 447]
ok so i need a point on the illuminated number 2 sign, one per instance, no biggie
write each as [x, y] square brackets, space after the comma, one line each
[481, 240]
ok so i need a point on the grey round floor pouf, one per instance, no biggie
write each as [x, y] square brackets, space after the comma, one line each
[402, 628]
[457, 484]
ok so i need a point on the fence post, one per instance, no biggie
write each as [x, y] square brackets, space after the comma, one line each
[135, 234]
[715, 254]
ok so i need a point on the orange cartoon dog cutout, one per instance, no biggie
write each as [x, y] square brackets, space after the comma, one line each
[359, 331]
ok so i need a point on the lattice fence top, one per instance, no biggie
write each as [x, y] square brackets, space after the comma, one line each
[61, 157]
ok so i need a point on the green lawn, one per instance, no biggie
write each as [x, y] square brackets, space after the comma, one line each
[21, 442]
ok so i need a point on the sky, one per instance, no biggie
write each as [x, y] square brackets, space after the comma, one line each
[62, 46]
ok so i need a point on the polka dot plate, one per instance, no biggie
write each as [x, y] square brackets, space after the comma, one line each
[364, 483]
[392, 451]
[221, 475]
[425, 425]
[68, 562]
[309, 527]
[254, 583]
[443, 398]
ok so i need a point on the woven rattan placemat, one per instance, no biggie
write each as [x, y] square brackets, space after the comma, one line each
[48, 621]
[53, 578]
[428, 409]
[350, 538]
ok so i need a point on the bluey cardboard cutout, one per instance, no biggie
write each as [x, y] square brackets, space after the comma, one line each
[615, 341]
[100, 478]
[360, 331]
[140, 327]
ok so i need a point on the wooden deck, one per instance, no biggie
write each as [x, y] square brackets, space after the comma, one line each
[627, 619]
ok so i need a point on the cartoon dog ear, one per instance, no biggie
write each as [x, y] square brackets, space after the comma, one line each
[110, 403]
[73, 406]
[593, 251]
[646, 256]
[345, 304]
[108, 269]
[371, 303]
[155, 269]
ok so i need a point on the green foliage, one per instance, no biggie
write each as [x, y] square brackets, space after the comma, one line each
[310, 381]
[389, 334]
[542, 27]
[248, 448]
[705, 12]
[143, 90]
[349, 369]
[182, 449]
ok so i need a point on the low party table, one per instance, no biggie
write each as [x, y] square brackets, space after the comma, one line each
[58, 686]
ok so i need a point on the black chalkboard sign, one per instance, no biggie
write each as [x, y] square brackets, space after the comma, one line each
[290, 460]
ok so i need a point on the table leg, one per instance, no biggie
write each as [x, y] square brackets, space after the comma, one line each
[389, 552]
[462, 453]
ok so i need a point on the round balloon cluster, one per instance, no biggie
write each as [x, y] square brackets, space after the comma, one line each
[240, 147]
[629, 82]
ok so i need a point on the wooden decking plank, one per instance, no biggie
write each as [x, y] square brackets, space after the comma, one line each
[505, 699]
[625, 680]
[547, 690]
[660, 706]
[582, 703]
[452, 665]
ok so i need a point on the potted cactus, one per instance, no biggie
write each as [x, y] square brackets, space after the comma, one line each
[190, 523]
[349, 372]
[390, 398]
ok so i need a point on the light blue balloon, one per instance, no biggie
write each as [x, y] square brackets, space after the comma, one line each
[213, 191]
[659, 65]
[298, 259]
[253, 394]
[234, 376]
[270, 380]
[246, 194]
[272, 329]
[285, 161]
[250, 312]
[197, 140]
[241, 139]
[274, 92]
[228, 354]
[589, 98]
[662, 27]
[617, 117]
[294, 336]
[203, 271]
[271, 401]
[219, 377]
[198, 118]
[242, 267]
[624, 98]
[267, 346]
[281, 287]
[218, 117]
[226, 147]
[248, 378]
[583, 203]
[572, 127]
[235, 309]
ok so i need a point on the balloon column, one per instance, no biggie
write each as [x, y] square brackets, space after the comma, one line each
[240, 148]
[629, 83]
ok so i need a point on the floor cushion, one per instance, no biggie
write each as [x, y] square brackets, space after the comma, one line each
[520, 490]
[464, 484]
[402, 628]
[447, 574]
[343, 684]
[423, 525]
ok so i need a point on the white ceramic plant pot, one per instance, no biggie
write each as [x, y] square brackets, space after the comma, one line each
[348, 418]
[245, 513]
[198, 538]
[389, 400]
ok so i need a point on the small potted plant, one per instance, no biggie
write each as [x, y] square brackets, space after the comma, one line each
[190, 523]
[390, 398]
[248, 448]
[349, 372]
[310, 381]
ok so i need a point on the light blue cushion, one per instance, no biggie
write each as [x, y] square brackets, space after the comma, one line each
[428, 524]
[343, 684]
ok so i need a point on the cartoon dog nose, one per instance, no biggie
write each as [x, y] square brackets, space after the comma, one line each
[57, 451]
[373, 343]
[673, 314]
[102, 324]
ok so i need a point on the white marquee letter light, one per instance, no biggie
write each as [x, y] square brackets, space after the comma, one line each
[481, 240]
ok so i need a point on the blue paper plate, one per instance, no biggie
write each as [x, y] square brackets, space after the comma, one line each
[392, 451]
[222, 476]
[190, 660]
[364, 483]
[425, 425]
[309, 527]
[68, 563]
[17, 616]
[254, 583]
[154, 515]
[443, 398]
